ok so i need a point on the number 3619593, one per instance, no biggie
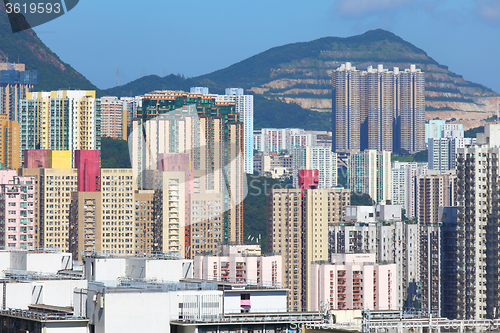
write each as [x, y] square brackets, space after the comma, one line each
[40, 8]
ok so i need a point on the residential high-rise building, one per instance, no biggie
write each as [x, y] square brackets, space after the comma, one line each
[369, 172]
[15, 83]
[377, 109]
[432, 191]
[103, 220]
[60, 120]
[130, 105]
[409, 109]
[403, 184]
[88, 164]
[263, 270]
[297, 226]
[278, 140]
[244, 108]
[354, 281]
[442, 151]
[213, 138]
[144, 221]
[17, 211]
[56, 186]
[346, 109]
[453, 276]
[9, 143]
[316, 158]
[113, 118]
[477, 218]
[434, 129]
[285, 225]
[380, 230]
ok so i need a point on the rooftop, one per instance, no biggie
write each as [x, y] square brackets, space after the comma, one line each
[153, 255]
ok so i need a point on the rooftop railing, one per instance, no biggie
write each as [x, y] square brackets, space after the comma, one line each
[39, 316]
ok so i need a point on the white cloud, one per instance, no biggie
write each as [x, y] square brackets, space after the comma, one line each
[489, 10]
[357, 8]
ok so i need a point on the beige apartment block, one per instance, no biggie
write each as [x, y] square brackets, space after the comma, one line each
[206, 223]
[56, 186]
[144, 221]
[284, 232]
[117, 190]
[298, 224]
[85, 226]
[170, 212]
[113, 118]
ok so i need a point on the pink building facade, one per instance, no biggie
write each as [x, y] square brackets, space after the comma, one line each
[261, 270]
[17, 208]
[354, 281]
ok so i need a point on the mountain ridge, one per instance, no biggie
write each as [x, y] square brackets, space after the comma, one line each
[25, 47]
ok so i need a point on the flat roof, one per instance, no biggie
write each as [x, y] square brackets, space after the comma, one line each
[235, 286]
[51, 308]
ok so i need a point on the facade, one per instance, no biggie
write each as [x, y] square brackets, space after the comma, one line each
[380, 230]
[15, 83]
[285, 224]
[17, 212]
[60, 120]
[434, 129]
[56, 186]
[277, 140]
[377, 109]
[403, 184]
[410, 110]
[9, 144]
[297, 223]
[130, 105]
[275, 165]
[244, 107]
[113, 118]
[477, 217]
[453, 297]
[369, 172]
[346, 109]
[210, 127]
[354, 281]
[144, 221]
[442, 152]
[316, 158]
[256, 270]
[432, 191]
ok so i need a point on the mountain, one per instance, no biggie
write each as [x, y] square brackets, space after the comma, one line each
[299, 74]
[25, 47]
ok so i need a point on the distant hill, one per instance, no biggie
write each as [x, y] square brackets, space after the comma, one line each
[25, 47]
[299, 74]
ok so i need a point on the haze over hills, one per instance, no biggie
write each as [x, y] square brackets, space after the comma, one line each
[25, 47]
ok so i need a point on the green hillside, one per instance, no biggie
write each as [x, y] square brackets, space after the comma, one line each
[25, 47]
[297, 76]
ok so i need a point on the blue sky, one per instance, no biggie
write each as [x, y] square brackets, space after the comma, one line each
[194, 37]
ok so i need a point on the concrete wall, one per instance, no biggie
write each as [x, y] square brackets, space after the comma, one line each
[263, 300]
[35, 262]
[108, 270]
[49, 292]
[136, 312]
